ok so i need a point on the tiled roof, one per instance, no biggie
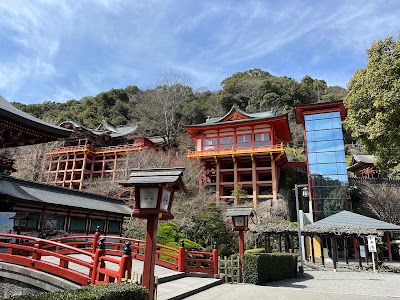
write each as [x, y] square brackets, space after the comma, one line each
[155, 176]
[347, 218]
[14, 113]
[239, 211]
[44, 194]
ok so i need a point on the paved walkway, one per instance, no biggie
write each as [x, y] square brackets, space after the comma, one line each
[315, 285]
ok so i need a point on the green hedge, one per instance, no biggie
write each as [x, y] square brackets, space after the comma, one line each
[255, 250]
[263, 267]
[112, 291]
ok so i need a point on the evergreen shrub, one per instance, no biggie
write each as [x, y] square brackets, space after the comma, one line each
[263, 267]
[111, 291]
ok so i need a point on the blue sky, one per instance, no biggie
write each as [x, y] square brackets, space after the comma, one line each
[58, 50]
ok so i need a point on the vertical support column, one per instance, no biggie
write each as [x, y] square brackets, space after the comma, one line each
[312, 249]
[149, 256]
[125, 265]
[115, 165]
[182, 257]
[334, 252]
[241, 251]
[83, 171]
[321, 246]
[217, 180]
[254, 178]
[387, 235]
[235, 174]
[215, 259]
[274, 183]
[355, 247]
[346, 251]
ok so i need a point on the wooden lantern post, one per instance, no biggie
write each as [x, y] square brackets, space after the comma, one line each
[240, 220]
[154, 194]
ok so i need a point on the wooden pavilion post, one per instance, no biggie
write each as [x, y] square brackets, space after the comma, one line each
[387, 235]
[280, 243]
[355, 247]
[269, 243]
[321, 246]
[366, 250]
[346, 252]
[334, 252]
[285, 239]
[358, 252]
[291, 244]
[312, 248]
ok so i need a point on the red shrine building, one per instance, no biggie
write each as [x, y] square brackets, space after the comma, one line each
[93, 154]
[27, 207]
[241, 150]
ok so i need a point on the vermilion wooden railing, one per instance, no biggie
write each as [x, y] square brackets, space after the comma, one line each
[95, 252]
[236, 150]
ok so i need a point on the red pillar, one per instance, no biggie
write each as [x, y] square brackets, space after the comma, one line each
[215, 259]
[388, 244]
[125, 265]
[241, 250]
[149, 256]
[96, 239]
[182, 257]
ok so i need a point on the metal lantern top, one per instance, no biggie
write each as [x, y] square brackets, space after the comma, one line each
[240, 217]
[154, 191]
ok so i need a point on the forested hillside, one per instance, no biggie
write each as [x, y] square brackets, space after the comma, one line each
[164, 109]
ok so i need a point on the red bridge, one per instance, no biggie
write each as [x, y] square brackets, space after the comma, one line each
[98, 259]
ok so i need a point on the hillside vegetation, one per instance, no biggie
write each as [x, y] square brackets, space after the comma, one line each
[164, 109]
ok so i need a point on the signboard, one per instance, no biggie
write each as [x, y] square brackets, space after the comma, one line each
[362, 251]
[371, 243]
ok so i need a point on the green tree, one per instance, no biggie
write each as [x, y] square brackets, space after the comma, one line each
[373, 103]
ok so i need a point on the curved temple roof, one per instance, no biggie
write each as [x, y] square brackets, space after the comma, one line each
[45, 195]
[22, 128]
[238, 116]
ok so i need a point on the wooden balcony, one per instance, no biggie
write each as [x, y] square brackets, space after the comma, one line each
[96, 150]
[236, 151]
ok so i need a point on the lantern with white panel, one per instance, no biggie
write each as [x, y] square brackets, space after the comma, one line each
[154, 194]
[240, 219]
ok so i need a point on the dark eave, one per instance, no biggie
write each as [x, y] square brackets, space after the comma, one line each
[44, 194]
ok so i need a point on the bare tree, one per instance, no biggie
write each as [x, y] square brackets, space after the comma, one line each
[383, 200]
[159, 110]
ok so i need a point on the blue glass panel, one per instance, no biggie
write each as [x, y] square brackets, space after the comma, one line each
[324, 146]
[323, 135]
[339, 145]
[340, 156]
[337, 134]
[342, 168]
[336, 123]
[312, 158]
[311, 147]
[335, 114]
[344, 179]
[313, 169]
[323, 124]
[308, 117]
[310, 136]
[309, 125]
[327, 169]
[325, 157]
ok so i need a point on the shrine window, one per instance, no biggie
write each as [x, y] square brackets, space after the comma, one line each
[226, 142]
[210, 144]
[262, 139]
[95, 223]
[243, 141]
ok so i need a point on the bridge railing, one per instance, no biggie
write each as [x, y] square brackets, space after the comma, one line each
[32, 252]
[180, 260]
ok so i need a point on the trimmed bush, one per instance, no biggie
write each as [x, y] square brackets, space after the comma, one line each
[255, 250]
[263, 267]
[111, 291]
